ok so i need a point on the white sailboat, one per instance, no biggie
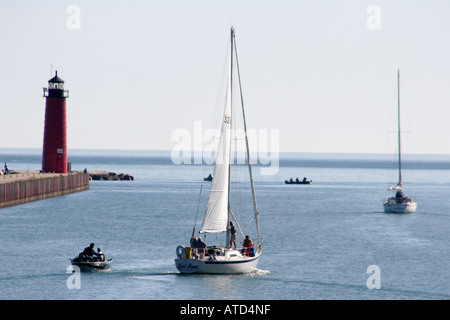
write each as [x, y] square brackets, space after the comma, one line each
[399, 203]
[197, 257]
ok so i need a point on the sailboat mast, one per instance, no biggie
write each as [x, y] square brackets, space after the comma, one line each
[230, 84]
[255, 206]
[399, 138]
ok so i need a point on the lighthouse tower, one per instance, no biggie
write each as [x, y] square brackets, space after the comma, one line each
[54, 155]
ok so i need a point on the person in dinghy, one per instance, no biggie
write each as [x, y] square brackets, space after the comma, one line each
[88, 253]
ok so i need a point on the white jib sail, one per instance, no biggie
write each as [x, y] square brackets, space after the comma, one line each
[216, 216]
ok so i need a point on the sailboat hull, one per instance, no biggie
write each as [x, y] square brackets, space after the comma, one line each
[237, 266]
[408, 207]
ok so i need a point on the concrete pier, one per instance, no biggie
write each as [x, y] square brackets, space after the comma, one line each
[26, 186]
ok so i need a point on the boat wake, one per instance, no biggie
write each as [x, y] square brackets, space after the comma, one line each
[258, 272]
[154, 276]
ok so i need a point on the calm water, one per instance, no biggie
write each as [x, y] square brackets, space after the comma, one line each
[319, 239]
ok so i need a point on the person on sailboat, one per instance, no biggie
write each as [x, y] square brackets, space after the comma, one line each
[198, 246]
[247, 241]
[399, 196]
[232, 235]
[201, 247]
[247, 244]
[194, 245]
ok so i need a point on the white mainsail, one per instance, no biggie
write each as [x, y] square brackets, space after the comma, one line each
[217, 208]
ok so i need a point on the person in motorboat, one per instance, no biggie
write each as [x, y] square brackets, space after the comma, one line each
[88, 253]
[100, 255]
[291, 180]
[296, 180]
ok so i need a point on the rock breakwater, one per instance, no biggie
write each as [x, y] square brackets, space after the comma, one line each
[106, 175]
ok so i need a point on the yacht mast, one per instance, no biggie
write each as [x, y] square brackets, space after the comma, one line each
[230, 84]
[399, 140]
[255, 206]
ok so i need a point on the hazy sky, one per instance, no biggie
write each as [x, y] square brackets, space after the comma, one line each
[322, 73]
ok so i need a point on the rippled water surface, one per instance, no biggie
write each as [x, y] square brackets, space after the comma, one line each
[318, 239]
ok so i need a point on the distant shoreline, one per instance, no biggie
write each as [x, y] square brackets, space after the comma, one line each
[120, 160]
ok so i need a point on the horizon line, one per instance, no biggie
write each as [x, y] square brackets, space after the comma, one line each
[195, 151]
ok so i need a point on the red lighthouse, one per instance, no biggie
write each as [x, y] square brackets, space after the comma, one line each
[54, 155]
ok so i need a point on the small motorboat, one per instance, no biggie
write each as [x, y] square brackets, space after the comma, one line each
[92, 263]
[88, 266]
[208, 178]
[297, 181]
